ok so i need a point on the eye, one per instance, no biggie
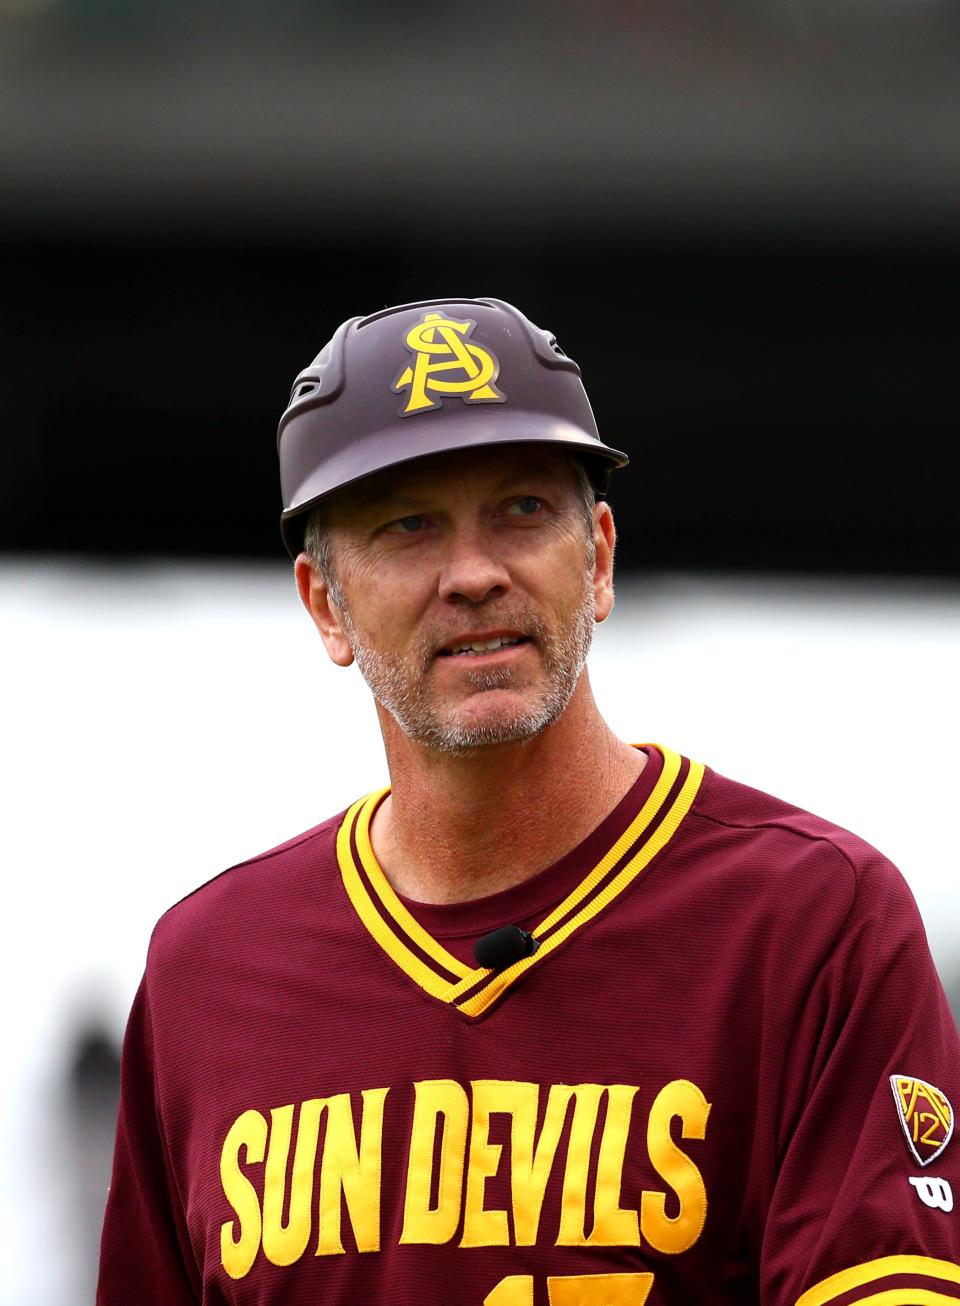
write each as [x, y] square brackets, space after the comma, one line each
[528, 506]
[406, 525]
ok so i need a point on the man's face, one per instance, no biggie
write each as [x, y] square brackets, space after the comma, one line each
[466, 587]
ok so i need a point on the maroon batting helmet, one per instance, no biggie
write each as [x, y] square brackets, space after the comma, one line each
[423, 379]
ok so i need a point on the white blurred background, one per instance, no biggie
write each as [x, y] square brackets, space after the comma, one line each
[162, 722]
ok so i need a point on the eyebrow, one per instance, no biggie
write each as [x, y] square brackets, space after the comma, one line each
[389, 501]
[525, 475]
[394, 501]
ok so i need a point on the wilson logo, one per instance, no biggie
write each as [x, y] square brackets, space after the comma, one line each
[935, 1193]
[447, 362]
[925, 1114]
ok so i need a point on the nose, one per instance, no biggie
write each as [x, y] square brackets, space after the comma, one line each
[472, 567]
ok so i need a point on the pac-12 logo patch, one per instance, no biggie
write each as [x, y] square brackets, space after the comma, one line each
[925, 1114]
[447, 362]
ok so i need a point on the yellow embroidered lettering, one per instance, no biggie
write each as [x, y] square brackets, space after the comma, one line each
[676, 1233]
[532, 1162]
[612, 1225]
[483, 1228]
[573, 1211]
[284, 1244]
[333, 1147]
[351, 1171]
[238, 1250]
[436, 1100]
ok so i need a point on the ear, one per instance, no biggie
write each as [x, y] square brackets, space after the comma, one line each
[604, 540]
[315, 597]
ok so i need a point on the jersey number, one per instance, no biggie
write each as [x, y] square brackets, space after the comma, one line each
[574, 1290]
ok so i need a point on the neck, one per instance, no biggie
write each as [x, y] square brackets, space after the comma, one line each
[460, 827]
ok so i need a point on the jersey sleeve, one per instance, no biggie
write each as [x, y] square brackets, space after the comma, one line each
[862, 1207]
[145, 1252]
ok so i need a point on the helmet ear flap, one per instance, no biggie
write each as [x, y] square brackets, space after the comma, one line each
[599, 474]
[323, 380]
[543, 343]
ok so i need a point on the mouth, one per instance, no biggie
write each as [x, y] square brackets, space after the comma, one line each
[475, 646]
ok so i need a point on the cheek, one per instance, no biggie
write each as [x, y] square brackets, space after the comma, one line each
[387, 607]
[573, 580]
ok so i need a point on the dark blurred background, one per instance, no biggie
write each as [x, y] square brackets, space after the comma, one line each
[742, 224]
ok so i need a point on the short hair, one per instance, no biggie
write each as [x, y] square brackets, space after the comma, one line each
[318, 546]
[318, 539]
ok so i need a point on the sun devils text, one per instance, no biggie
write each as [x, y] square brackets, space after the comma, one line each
[490, 1163]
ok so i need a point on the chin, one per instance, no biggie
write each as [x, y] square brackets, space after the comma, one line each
[464, 733]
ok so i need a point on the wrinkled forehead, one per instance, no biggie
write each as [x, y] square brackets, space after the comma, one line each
[478, 473]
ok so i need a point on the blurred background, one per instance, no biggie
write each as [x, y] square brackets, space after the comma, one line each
[740, 220]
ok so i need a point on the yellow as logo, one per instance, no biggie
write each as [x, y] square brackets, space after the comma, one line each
[447, 362]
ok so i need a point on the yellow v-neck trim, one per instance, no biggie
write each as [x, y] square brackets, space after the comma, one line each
[473, 989]
[401, 916]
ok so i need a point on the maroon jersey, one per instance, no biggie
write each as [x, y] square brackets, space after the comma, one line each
[725, 1076]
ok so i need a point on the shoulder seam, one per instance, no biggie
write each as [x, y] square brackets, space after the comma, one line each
[289, 846]
[296, 842]
[856, 877]
[788, 828]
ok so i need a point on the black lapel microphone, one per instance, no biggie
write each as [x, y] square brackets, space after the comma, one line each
[501, 948]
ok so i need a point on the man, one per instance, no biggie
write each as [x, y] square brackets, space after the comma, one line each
[555, 1019]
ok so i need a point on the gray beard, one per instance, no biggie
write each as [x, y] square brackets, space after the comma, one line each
[399, 684]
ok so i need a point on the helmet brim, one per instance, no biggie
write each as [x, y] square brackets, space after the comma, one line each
[381, 450]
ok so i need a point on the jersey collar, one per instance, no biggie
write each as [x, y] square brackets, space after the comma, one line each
[473, 990]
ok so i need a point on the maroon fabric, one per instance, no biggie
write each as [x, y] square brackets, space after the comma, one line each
[765, 960]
